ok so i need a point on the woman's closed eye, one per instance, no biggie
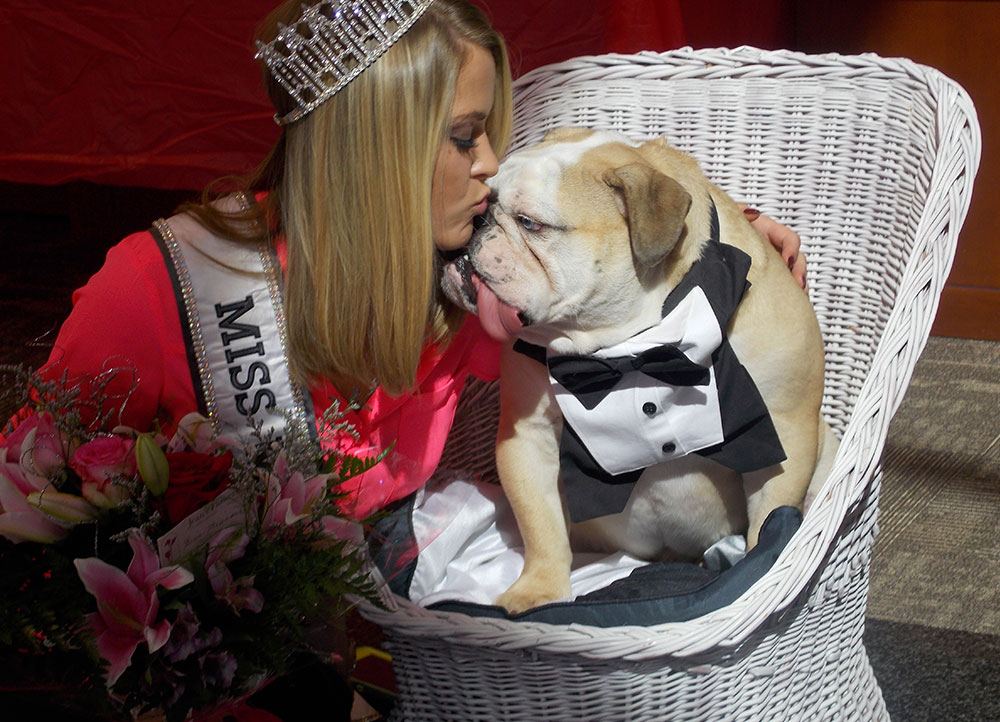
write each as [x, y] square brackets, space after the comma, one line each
[463, 143]
[466, 131]
[466, 136]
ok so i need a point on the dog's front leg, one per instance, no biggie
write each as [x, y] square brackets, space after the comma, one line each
[784, 484]
[528, 465]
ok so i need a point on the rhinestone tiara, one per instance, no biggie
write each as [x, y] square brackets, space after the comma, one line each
[331, 44]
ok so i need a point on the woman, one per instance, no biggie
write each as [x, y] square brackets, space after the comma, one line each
[352, 227]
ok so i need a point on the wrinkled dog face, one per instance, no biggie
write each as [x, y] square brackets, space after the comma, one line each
[554, 254]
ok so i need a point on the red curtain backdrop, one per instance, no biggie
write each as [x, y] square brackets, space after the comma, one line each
[165, 94]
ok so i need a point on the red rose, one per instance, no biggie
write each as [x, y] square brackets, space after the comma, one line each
[195, 479]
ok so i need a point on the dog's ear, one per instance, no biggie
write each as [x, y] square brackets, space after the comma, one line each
[655, 206]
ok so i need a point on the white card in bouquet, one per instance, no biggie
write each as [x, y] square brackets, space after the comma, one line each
[192, 534]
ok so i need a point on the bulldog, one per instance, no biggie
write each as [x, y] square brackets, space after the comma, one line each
[665, 385]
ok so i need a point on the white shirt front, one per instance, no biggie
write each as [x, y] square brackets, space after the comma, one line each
[643, 421]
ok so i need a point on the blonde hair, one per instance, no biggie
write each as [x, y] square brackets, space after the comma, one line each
[350, 189]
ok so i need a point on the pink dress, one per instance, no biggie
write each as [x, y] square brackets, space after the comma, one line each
[125, 329]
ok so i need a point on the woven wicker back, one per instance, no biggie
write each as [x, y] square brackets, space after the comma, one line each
[872, 162]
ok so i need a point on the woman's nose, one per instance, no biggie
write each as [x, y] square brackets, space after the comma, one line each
[486, 164]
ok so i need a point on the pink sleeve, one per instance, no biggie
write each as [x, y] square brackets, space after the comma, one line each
[124, 329]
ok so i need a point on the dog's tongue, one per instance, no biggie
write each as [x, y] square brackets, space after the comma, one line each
[500, 320]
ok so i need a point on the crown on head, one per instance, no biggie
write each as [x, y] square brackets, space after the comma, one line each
[331, 44]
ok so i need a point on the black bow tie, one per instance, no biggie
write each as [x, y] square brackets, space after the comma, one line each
[590, 379]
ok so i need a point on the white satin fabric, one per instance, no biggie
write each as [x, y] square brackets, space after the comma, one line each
[470, 549]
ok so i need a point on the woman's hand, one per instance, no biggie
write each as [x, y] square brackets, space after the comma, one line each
[782, 238]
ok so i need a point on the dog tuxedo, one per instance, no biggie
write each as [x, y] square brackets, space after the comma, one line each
[671, 390]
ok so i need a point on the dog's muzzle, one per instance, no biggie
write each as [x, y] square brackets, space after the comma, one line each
[464, 286]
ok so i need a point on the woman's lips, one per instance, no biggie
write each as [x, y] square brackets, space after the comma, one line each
[480, 208]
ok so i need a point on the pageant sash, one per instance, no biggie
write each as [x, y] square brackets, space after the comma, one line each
[230, 303]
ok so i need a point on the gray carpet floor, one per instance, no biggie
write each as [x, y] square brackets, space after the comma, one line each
[933, 630]
[936, 560]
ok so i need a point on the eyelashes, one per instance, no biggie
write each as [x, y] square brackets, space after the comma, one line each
[466, 136]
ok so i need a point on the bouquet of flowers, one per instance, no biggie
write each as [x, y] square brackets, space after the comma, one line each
[177, 573]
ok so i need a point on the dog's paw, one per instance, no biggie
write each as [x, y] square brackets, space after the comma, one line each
[530, 592]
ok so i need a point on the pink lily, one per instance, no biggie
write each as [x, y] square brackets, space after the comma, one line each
[225, 547]
[62, 507]
[196, 433]
[127, 604]
[290, 495]
[34, 452]
[20, 521]
[337, 528]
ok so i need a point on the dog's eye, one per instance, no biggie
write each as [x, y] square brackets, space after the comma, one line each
[529, 224]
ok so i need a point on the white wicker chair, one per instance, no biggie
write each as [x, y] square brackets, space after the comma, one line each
[872, 161]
